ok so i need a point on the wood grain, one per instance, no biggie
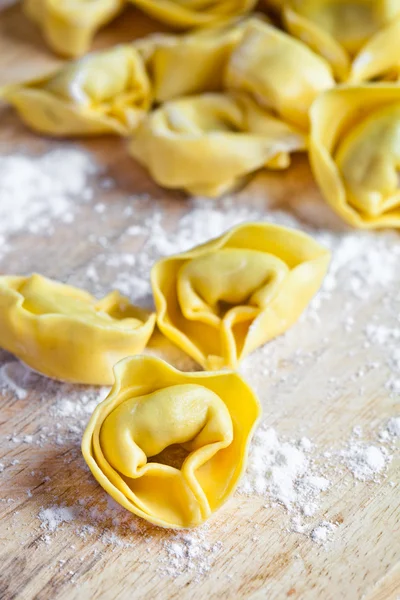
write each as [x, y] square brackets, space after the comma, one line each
[259, 558]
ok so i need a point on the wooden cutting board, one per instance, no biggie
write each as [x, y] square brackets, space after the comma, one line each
[256, 555]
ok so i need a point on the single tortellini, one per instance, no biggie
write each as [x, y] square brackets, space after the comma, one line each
[223, 299]
[170, 446]
[70, 25]
[281, 73]
[104, 92]
[188, 64]
[355, 152]
[184, 14]
[65, 333]
[340, 30]
[380, 57]
[207, 144]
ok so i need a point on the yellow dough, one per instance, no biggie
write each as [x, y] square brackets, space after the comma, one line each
[192, 63]
[355, 154]
[281, 73]
[206, 144]
[65, 333]
[223, 299]
[340, 30]
[380, 57]
[206, 417]
[184, 14]
[105, 92]
[70, 25]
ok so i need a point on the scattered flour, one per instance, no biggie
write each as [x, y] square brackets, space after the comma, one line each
[365, 461]
[13, 375]
[54, 516]
[35, 191]
[274, 467]
[393, 426]
[322, 532]
[189, 552]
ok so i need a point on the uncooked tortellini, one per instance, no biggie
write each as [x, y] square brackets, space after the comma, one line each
[281, 73]
[355, 152]
[194, 13]
[170, 446]
[206, 144]
[69, 25]
[223, 299]
[65, 333]
[192, 63]
[108, 91]
[344, 31]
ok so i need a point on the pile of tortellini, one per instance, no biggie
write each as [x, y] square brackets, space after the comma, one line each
[169, 446]
[241, 92]
[202, 111]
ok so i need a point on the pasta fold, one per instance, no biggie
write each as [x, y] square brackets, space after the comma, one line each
[69, 27]
[184, 14]
[156, 417]
[354, 152]
[104, 92]
[65, 333]
[188, 64]
[207, 144]
[220, 301]
[343, 31]
[279, 72]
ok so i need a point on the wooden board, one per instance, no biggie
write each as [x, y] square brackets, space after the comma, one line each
[256, 556]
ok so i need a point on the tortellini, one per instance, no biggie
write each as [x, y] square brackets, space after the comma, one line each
[65, 333]
[69, 25]
[193, 63]
[157, 417]
[355, 152]
[105, 92]
[207, 144]
[223, 299]
[281, 73]
[194, 13]
[343, 31]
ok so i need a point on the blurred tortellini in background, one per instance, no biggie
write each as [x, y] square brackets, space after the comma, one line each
[69, 26]
[349, 35]
[185, 14]
[208, 144]
[222, 300]
[104, 92]
[170, 446]
[355, 152]
[207, 109]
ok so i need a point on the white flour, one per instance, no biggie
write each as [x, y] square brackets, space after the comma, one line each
[290, 471]
[54, 516]
[36, 191]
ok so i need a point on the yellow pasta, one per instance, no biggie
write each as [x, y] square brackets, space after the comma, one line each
[281, 73]
[379, 57]
[65, 333]
[152, 410]
[207, 144]
[223, 299]
[69, 26]
[184, 14]
[105, 92]
[340, 30]
[355, 155]
[193, 63]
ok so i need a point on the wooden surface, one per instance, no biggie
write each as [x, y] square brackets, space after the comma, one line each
[257, 557]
